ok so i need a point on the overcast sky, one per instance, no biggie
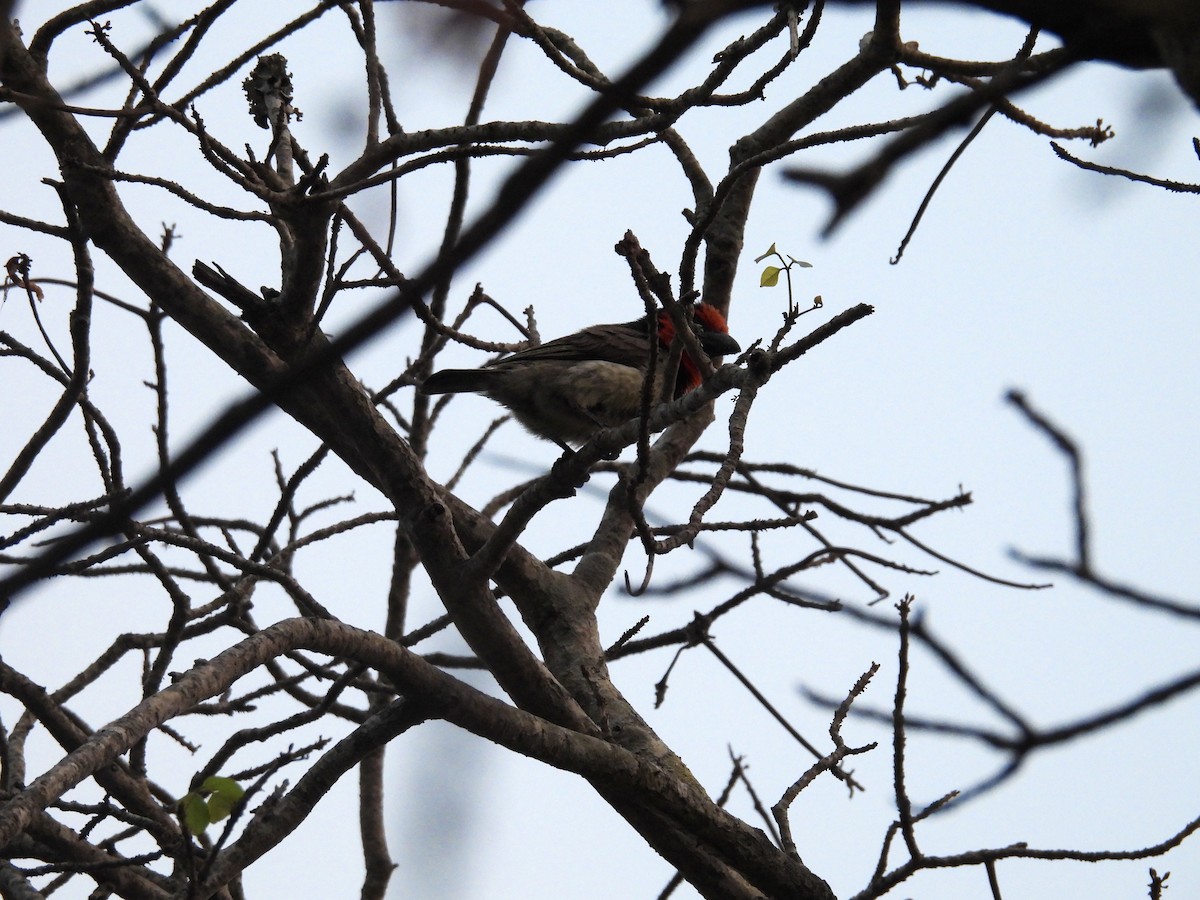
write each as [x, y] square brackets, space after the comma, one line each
[1026, 272]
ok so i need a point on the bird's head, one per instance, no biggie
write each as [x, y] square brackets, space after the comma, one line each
[715, 340]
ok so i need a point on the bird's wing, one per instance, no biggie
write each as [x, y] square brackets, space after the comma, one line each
[626, 344]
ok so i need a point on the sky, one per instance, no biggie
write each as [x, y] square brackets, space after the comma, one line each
[1025, 273]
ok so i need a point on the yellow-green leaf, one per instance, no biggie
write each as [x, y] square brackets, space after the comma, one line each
[226, 788]
[770, 276]
[770, 252]
[195, 813]
[219, 806]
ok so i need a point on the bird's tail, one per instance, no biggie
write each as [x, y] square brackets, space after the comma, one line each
[458, 381]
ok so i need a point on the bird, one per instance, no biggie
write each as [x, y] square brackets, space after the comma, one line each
[567, 389]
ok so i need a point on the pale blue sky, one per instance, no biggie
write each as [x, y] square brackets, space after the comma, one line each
[1026, 272]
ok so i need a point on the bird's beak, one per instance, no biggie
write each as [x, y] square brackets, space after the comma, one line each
[719, 343]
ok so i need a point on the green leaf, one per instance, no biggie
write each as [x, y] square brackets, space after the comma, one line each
[195, 813]
[225, 788]
[802, 264]
[219, 806]
[770, 252]
[770, 276]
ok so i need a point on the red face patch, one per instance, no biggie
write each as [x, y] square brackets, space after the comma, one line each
[708, 318]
